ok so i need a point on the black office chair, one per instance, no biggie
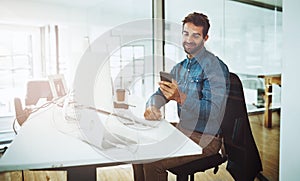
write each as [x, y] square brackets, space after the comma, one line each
[241, 154]
[186, 171]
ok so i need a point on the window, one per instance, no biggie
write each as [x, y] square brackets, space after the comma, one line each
[17, 63]
[26, 52]
[127, 64]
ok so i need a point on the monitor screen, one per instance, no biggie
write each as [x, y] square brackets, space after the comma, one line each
[58, 85]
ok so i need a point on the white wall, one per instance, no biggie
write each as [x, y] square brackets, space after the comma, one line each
[290, 112]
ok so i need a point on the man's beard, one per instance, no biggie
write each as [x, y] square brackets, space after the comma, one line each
[194, 49]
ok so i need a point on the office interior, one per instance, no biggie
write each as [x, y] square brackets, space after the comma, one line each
[39, 38]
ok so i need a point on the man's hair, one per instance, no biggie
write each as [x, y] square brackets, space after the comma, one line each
[198, 19]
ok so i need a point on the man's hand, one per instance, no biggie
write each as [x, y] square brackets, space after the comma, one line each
[171, 91]
[152, 113]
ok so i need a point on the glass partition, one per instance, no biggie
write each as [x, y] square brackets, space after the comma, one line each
[247, 36]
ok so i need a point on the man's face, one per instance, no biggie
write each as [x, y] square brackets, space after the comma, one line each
[192, 39]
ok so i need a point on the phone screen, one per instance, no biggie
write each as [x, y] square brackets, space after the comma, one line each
[165, 76]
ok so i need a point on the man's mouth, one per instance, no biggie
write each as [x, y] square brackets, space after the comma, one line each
[189, 45]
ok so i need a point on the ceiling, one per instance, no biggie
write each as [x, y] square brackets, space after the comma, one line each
[270, 2]
[86, 3]
[72, 3]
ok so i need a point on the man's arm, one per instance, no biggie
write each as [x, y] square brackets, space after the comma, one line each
[153, 105]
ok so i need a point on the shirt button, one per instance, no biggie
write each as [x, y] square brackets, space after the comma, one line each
[188, 70]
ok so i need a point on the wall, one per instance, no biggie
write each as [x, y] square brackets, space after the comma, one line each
[290, 114]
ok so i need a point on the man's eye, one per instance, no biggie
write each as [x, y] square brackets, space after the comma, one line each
[196, 36]
[185, 33]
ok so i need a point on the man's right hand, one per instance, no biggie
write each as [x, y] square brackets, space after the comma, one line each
[152, 113]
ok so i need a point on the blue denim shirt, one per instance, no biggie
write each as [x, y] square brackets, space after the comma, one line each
[205, 81]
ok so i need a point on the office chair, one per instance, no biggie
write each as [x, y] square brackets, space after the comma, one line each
[36, 89]
[21, 114]
[241, 154]
[186, 171]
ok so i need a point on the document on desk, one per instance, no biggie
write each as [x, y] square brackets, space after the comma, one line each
[44, 142]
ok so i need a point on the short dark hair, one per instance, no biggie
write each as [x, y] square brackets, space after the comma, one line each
[198, 19]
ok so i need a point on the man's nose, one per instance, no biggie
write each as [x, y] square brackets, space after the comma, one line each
[189, 39]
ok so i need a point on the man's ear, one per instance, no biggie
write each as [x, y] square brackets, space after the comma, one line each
[206, 37]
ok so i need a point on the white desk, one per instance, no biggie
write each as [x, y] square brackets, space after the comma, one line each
[41, 144]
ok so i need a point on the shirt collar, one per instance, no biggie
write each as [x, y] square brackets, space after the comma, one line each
[198, 56]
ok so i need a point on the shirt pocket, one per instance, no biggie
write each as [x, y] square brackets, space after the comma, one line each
[194, 86]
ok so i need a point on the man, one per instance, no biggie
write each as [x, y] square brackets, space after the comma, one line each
[200, 86]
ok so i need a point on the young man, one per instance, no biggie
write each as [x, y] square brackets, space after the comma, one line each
[200, 87]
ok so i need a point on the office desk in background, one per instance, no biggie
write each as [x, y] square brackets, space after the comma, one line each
[269, 80]
[40, 145]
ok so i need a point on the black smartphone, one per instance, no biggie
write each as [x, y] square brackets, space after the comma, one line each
[165, 76]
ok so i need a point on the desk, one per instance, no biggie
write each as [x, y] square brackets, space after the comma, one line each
[269, 80]
[40, 145]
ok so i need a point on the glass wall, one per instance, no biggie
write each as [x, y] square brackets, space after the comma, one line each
[240, 34]
[247, 38]
[128, 29]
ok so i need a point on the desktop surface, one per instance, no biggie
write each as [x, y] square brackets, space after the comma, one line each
[48, 140]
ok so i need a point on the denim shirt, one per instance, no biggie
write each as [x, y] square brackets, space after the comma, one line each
[205, 81]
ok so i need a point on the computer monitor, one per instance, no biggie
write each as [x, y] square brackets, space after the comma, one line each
[57, 85]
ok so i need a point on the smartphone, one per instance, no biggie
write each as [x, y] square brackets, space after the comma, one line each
[165, 76]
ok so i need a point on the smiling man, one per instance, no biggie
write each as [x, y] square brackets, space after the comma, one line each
[200, 86]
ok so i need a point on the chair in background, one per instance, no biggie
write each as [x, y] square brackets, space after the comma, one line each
[21, 114]
[241, 154]
[36, 89]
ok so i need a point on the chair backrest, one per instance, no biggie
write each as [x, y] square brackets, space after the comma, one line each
[235, 110]
[243, 161]
[21, 115]
[37, 89]
[243, 158]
